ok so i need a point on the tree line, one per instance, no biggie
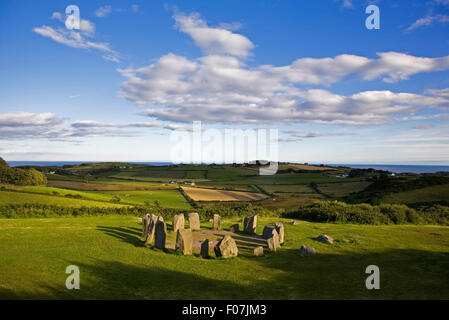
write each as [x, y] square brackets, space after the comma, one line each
[18, 176]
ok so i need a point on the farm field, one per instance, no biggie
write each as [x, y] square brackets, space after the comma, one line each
[105, 185]
[114, 264]
[200, 194]
[338, 190]
[14, 197]
[169, 198]
[428, 194]
[297, 166]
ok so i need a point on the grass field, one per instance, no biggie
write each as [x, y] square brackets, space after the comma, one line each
[297, 166]
[342, 189]
[200, 194]
[14, 197]
[428, 194]
[105, 185]
[169, 198]
[413, 262]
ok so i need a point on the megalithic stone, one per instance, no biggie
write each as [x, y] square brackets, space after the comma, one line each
[205, 249]
[273, 241]
[160, 234]
[184, 241]
[258, 251]
[150, 229]
[194, 221]
[268, 231]
[178, 222]
[280, 230]
[250, 224]
[226, 248]
[234, 228]
[145, 221]
[217, 222]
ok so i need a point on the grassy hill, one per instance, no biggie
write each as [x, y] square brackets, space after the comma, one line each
[114, 264]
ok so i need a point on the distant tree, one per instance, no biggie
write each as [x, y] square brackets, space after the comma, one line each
[19, 176]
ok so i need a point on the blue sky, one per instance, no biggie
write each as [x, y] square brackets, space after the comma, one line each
[136, 70]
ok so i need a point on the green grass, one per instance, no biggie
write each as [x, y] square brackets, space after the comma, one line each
[413, 262]
[287, 188]
[170, 198]
[285, 178]
[428, 194]
[14, 197]
[342, 189]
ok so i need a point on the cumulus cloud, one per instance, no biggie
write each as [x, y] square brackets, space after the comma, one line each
[220, 87]
[218, 40]
[81, 39]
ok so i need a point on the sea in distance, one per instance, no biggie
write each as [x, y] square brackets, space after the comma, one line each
[386, 167]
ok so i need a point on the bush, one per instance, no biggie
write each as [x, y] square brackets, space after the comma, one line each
[335, 211]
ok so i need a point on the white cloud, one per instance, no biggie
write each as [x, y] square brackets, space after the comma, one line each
[20, 119]
[48, 126]
[219, 87]
[28, 125]
[211, 40]
[103, 11]
[77, 38]
[428, 21]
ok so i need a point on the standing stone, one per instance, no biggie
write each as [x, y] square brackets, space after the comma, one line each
[184, 241]
[325, 238]
[280, 230]
[268, 231]
[217, 223]
[149, 232]
[273, 242]
[250, 224]
[194, 221]
[234, 228]
[160, 234]
[305, 250]
[205, 249]
[178, 222]
[145, 222]
[226, 248]
[258, 251]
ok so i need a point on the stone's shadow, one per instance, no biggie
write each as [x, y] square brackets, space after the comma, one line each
[323, 276]
[120, 280]
[126, 234]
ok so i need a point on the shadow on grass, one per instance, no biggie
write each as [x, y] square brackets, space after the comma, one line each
[404, 274]
[117, 280]
[127, 234]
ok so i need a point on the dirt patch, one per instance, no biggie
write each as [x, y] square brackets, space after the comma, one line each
[199, 194]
